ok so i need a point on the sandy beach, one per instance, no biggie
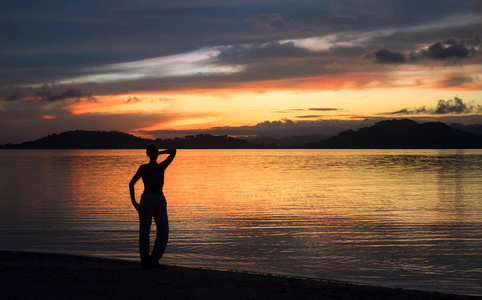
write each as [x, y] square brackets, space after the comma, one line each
[25, 275]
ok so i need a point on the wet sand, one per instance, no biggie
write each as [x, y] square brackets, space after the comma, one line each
[25, 275]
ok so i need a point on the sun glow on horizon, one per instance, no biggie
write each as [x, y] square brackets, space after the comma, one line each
[186, 111]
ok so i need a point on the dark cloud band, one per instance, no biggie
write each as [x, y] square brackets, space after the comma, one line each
[444, 107]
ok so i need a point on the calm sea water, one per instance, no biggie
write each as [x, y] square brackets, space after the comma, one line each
[400, 218]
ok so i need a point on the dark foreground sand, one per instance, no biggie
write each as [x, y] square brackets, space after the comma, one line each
[52, 276]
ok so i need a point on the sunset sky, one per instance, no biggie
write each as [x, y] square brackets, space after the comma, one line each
[236, 67]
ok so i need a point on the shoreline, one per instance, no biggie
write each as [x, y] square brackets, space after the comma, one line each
[31, 275]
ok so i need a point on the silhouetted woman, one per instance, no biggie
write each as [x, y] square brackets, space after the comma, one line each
[153, 205]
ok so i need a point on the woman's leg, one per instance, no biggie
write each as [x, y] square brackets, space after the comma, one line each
[162, 235]
[145, 221]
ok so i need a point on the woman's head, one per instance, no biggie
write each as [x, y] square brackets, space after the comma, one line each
[152, 151]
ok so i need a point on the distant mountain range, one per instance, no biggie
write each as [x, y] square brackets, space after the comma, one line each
[475, 129]
[289, 141]
[390, 134]
[403, 134]
[80, 139]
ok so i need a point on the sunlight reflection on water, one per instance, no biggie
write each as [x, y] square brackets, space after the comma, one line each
[405, 218]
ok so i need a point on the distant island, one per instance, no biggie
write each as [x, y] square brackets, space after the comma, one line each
[389, 134]
[81, 139]
[404, 134]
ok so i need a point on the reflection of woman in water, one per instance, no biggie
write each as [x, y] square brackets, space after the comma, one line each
[153, 205]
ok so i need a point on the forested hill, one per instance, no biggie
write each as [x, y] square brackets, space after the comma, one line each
[392, 134]
[80, 139]
[402, 134]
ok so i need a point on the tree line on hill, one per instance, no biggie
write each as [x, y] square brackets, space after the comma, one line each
[80, 139]
[390, 134]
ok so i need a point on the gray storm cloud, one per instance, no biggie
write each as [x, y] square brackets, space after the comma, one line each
[448, 49]
[443, 107]
[52, 92]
